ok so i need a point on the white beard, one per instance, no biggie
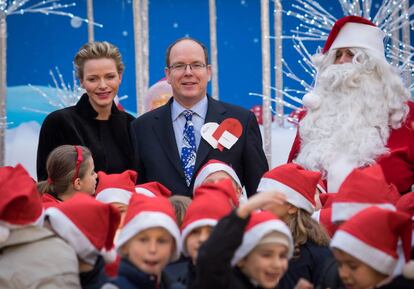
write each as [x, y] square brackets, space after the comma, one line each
[351, 125]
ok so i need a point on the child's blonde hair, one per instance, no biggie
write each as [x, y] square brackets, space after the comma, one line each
[304, 228]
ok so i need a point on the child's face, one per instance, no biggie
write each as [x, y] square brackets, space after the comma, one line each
[266, 264]
[282, 211]
[195, 239]
[122, 210]
[150, 250]
[356, 274]
[220, 175]
[88, 182]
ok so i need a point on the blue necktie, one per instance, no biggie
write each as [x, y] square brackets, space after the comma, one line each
[188, 150]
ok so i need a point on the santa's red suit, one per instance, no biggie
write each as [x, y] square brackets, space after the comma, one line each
[398, 166]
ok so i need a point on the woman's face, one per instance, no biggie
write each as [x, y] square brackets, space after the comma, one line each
[101, 81]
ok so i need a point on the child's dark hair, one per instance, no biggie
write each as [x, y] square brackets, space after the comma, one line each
[180, 204]
[64, 164]
[304, 228]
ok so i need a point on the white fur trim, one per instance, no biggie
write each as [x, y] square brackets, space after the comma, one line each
[293, 197]
[342, 211]
[144, 192]
[212, 168]
[369, 255]
[114, 195]
[255, 234]
[190, 227]
[68, 231]
[316, 216]
[360, 35]
[146, 220]
[4, 233]
[311, 100]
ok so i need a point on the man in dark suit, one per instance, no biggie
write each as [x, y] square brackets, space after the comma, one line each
[168, 144]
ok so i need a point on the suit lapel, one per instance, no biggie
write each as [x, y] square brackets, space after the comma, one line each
[164, 131]
[215, 113]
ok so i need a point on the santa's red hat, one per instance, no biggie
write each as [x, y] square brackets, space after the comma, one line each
[116, 188]
[362, 188]
[213, 166]
[153, 189]
[201, 212]
[149, 212]
[355, 31]
[298, 185]
[20, 202]
[87, 225]
[260, 225]
[372, 236]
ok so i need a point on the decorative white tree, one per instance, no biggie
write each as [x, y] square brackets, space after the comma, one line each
[21, 7]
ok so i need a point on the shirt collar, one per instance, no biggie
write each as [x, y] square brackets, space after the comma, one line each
[200, 108]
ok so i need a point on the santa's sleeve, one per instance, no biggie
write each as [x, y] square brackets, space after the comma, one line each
[296, 143]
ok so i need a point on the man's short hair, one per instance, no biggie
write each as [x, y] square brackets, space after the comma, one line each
[167, 56]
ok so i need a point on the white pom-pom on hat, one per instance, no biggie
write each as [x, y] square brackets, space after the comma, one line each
[109, 256]
[408, 270]
[311, 100]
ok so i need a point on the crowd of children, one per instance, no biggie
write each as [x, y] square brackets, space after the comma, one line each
[79, 229]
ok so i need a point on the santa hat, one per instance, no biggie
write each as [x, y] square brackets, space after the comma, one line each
[213, 166]
[362, 188]
[148, 212]
[116, 188]
[20, 202]
[406, 204]
[260, 225]
[201, 212]
[372, 236]
[87, 225]
[355, 31]
[153, 189]
[298, 185]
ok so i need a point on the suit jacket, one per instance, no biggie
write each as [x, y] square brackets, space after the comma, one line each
[157, 156]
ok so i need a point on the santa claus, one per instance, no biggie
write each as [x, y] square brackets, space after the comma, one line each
[358, 111]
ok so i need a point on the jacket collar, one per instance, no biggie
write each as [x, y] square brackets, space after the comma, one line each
[84, 107]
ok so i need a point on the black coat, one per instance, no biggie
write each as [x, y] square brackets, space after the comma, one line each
[77, 125]
[399, 282]
[130, 277]
[95, 278]
[213, 269]
[329, 277]
[157, 157]
[307, 265]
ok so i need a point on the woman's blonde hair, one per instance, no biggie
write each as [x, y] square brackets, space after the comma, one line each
[61, 169]
[97, 50]
[304, 228]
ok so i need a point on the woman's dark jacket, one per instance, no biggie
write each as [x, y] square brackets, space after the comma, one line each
[108, 140]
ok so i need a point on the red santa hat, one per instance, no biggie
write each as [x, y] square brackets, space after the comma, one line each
[260, 225]
[213, 166]
[20, 202]
[359, 237]
[153, 189]
[298, 185]
[149, 212]
[201, 213]
[406, 204]
[116, 188]
[87, 225]
[362, 188]
[355, 31]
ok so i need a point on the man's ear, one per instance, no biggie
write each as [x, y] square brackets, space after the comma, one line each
[167, 74]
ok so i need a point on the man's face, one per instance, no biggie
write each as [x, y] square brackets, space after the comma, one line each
[343, 55]
[189, 83]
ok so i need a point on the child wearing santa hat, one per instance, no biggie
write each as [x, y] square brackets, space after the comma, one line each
[215, 170]
[246, 249]
[367, 260]
[311, 239]
[199, 220]
[31, 256]
[89, 227]
[148, 241]
[70, 169]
